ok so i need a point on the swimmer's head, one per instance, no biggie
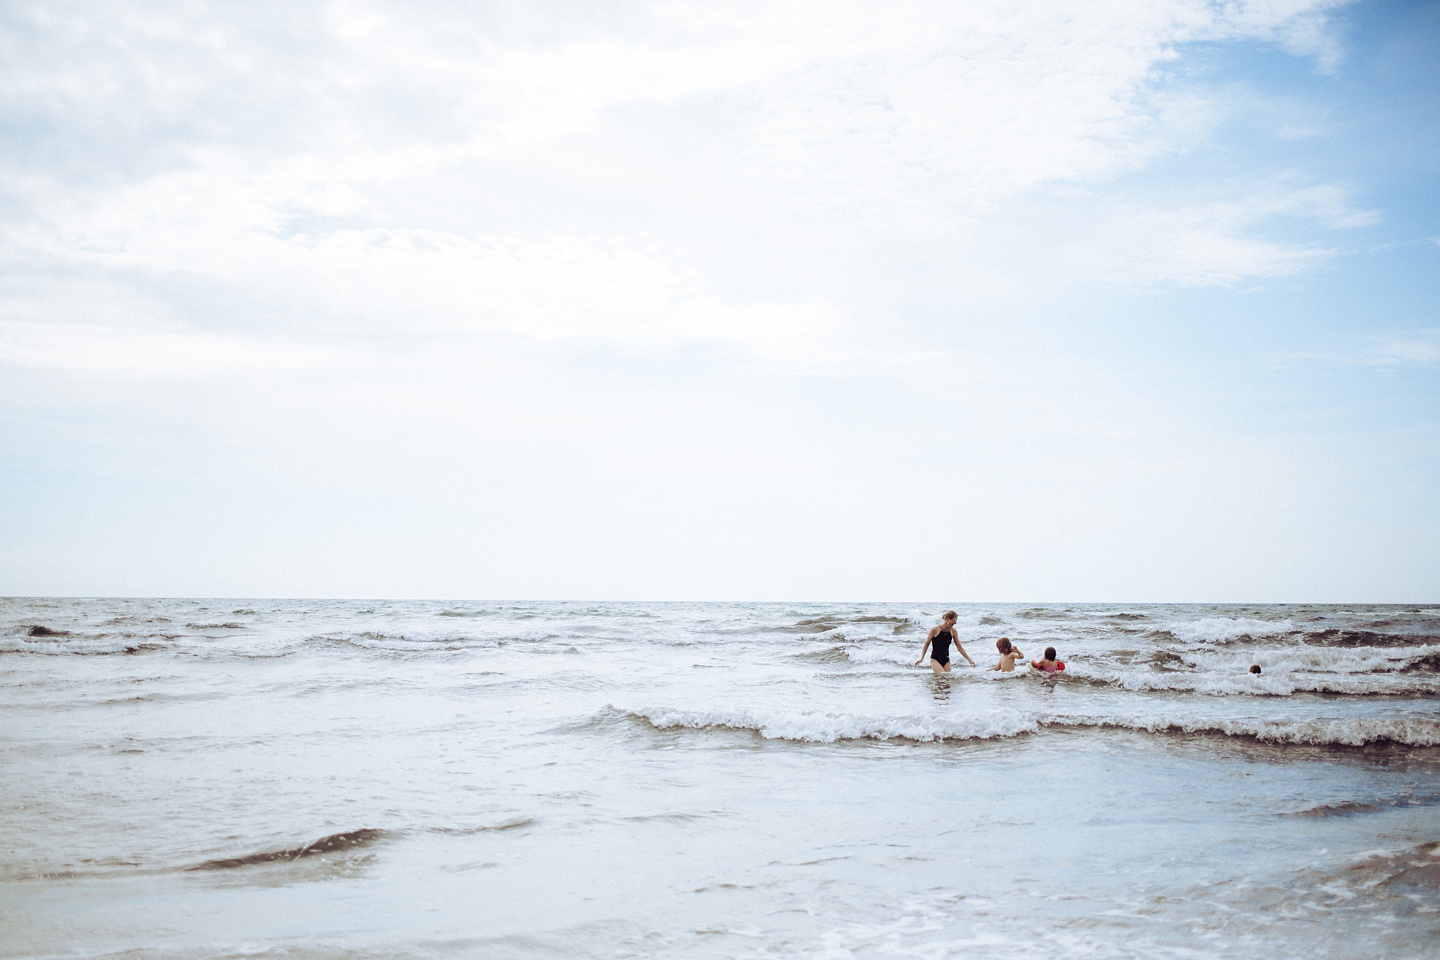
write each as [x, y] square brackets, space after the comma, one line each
[1255, 668]
[1049, 653]
[951, 616]
[1003, 644]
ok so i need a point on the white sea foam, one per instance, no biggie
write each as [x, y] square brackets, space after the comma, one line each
[1348, 731]
[1239, 682]
[73, 645]
[1225, 629]
[1353, 659]
[818, 727]
[1300, 668]
[888, 652]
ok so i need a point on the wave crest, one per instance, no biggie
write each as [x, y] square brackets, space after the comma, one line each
[334, 843]
[815, 727]
[1227, 629]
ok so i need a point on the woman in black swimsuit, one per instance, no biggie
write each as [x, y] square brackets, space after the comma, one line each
[938, 641]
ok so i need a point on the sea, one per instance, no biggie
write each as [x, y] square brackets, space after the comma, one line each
[337, 779]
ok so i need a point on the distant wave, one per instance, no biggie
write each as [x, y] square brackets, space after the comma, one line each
[392, 644]
[1336, 637]
[859, 625]
[519, 823]
[827, 655]
[75, 645]
[1265, 685]
[831, 728]
[1225, 629]
[1300, 669]
[334, 843]
[1349, 732]
[1345, 808]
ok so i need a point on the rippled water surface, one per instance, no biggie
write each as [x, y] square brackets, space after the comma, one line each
[363, 779]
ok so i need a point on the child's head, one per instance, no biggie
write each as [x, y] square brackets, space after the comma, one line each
[1049, 653]
[1003, 644]
[1254, 668]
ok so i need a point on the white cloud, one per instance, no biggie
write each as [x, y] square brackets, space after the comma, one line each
[445, 208]
[922, 103]
[1422, 347]
[599, 290]
[1214, 242]
[157, 353]
[1300, 27]
[274, 148]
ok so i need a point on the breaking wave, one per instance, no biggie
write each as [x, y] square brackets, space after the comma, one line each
[842, 626]
[829, 728]
[392, 644]
[827, 655]
[1265, 685]
[334, 843]
[68, 644]
[1226, 629]
[1300, 669]
[814, 727]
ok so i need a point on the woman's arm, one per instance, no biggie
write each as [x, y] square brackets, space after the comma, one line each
[962, 651]
[923, 649]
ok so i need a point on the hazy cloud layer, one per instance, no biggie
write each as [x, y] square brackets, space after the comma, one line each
[277, 149]
[708, 299]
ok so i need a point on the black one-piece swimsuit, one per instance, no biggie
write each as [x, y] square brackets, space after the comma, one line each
[940, 647]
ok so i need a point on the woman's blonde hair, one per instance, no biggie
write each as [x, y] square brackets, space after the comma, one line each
[951, 615]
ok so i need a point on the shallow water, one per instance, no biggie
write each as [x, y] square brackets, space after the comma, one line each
[352, 778]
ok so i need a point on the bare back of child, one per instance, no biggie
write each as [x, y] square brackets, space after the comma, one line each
[1009, 654]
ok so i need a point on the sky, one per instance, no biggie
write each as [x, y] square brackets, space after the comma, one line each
[953, 301]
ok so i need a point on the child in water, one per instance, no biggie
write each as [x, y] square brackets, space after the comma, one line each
[937, 644]
[1049, 664]
[1009, 653]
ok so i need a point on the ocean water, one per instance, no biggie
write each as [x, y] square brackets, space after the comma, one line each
[338, 779]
